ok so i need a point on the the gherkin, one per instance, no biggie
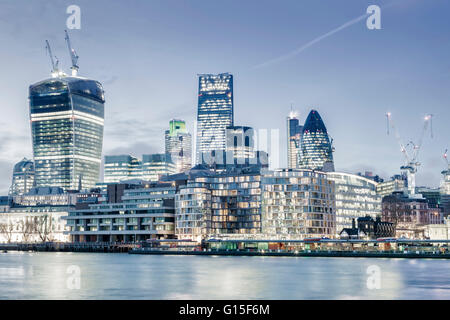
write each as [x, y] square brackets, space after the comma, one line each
[317, 153]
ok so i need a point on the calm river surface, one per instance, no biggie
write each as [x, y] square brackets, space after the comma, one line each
[121, 276]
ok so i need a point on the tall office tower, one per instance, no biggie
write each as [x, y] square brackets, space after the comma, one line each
[240, 142]
[317, 152]
[22, 178]
[67, 117]
[121, 167]
[179, 145]
[215, 112]
[154, 166]
[294, 136]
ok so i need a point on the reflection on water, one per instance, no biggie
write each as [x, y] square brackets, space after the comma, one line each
[123, 276]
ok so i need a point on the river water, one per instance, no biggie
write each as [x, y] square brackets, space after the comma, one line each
[50, 275]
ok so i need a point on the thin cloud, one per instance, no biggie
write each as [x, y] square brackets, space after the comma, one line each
[316, 40]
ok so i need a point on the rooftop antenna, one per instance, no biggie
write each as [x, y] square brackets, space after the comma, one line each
[55, 69]
[73, 55]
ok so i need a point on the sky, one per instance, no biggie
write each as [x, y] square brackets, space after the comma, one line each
[304, 53]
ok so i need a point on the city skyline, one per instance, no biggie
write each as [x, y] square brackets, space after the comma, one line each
[381, 155]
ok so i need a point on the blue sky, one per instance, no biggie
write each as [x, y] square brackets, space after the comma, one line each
[148, 53]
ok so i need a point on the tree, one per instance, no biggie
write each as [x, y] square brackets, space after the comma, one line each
[7, 229]
[26, 228]
[43, 226]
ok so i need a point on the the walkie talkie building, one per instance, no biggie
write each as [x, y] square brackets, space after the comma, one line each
[215, 113]
[67, 116]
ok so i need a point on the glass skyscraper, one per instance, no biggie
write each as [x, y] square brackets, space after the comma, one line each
[179, 145]
[67, 118]
[294, 135]
[317, 152]
[215, 112]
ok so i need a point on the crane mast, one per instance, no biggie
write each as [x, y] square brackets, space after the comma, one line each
[73, 55]
[55, 69]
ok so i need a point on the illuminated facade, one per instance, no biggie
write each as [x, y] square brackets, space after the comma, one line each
[215, 112]
[121, 167]
[356, 197]
[132, 212]
[67, 118]
[22, 178]
[317, 152]
[297, 204]
[178, 144]
[154, 166]
[294, 136]
[396, 184]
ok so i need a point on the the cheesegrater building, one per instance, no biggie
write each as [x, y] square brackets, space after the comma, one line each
[67, 117]
[215, 113]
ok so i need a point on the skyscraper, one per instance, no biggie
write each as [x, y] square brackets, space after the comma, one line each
[179, 145]
[67, 115]
[294, 135]
[215, 112]
[22, 178]
[317, 152]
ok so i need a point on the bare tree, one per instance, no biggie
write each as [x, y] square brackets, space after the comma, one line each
[7, 229]
[26, 228]
[43, 227]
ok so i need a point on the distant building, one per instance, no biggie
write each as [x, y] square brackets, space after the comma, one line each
[432, 195]
[178, 144]
[121, 167]
[317, 152]
[294, 137]
[37, 216]
[154, 166]
[215, 112]
[439, 231]
[409, 215]
[126, 167]
[22, 177]
[371, 176]
[396, 184]
[67, 118]
[129, 212]
[356, 197]
[369, 228]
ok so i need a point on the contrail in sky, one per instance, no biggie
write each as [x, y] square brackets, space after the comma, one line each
[312, 42]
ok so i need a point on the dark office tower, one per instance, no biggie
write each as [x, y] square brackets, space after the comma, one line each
[317, 153]
[215, 112]
[294, 135]
[66, 114]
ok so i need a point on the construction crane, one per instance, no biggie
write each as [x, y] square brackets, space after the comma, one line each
[411, 163]
[73, 55]
[55, 69]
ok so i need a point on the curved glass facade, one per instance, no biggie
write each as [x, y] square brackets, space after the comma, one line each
[67, 118]
[356, 197]
[316, 145]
